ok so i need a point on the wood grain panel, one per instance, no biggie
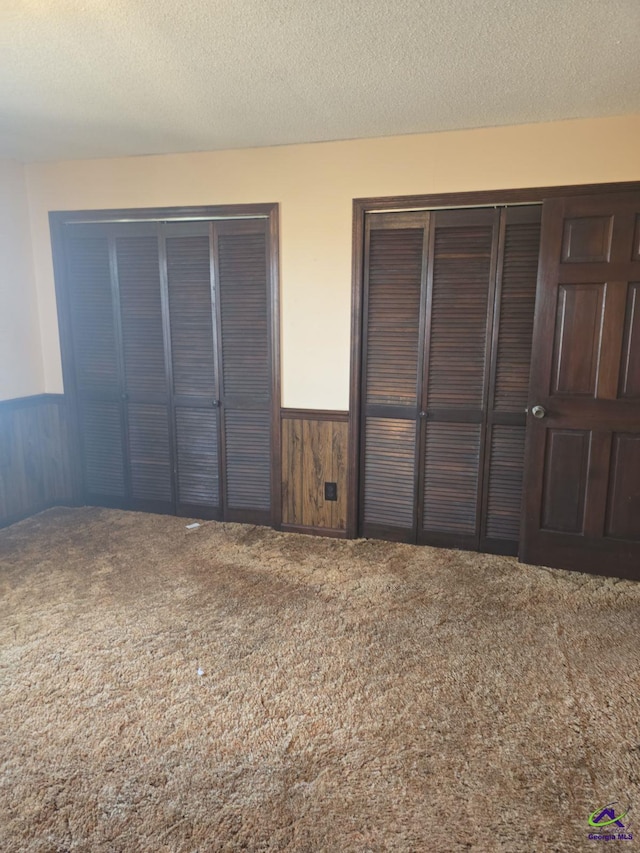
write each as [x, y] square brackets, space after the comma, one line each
[317, 458]
[35, 457]
[623, 510]
[314, 452]
[339, 469]
[292, 471]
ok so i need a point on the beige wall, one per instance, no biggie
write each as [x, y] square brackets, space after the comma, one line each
[20, 354]
[314, 185]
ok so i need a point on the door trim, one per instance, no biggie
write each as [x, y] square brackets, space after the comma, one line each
[363, 206]
[270, 212]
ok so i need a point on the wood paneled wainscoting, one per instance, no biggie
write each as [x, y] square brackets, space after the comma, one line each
[314, 471]
[36, 467]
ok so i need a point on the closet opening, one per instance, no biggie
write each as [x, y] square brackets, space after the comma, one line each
[473, 316]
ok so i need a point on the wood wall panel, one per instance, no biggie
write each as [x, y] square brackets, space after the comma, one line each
[314, 452]
[35, 459]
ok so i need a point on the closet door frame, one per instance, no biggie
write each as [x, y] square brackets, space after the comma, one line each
[364, 206]
[269, 212]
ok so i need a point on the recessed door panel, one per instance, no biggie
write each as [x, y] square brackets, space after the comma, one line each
[635, 250]
[565, 479]
[587, 239]
[577, 338]
[630, 367]
[623, 511]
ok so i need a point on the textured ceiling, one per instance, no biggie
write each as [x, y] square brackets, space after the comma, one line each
[96, 78]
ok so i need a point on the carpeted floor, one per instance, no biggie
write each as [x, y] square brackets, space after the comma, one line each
[353, 696]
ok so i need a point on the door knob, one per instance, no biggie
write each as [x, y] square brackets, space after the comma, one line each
[538, 411]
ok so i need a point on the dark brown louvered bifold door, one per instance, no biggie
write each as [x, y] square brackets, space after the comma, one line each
[448, 319]
[514, 309]
[173, 365]
[194, 372]
[246, 378]
[460, 290]
[93, 316]
[395, 269]
[146, 390]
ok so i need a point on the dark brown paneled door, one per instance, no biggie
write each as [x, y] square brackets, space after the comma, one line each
[582, 479]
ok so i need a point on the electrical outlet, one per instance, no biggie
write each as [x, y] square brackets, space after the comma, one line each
[331, 491]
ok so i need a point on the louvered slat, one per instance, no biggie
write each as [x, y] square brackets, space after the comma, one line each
[452, 458]
[101, 437]
[244, 315]
[520, 270]
[91, 309]
[461, 284]
[189, 283]
[149, 452]
[393, 316]
[141, 311]
[248, 459]
[505, 482]
[197, 455]
[389, 473]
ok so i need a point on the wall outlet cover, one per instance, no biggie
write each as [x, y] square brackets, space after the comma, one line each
[331, 491]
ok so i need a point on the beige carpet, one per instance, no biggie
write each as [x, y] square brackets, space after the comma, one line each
[355, 696]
